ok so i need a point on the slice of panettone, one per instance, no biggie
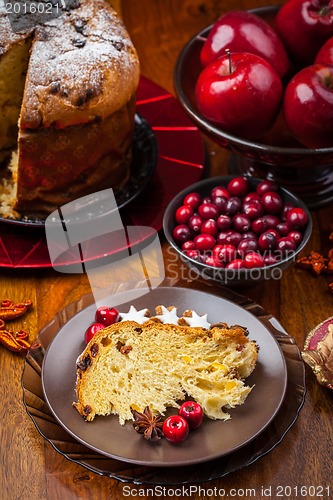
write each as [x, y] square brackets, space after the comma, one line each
[130, 365]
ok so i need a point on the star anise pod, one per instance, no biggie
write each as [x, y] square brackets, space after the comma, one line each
[145, 423]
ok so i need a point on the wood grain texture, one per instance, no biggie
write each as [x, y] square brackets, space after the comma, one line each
[29, 467]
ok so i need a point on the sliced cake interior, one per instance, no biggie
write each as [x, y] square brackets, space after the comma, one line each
[131, 366]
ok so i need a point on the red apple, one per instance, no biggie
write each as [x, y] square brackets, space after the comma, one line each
[303, 26]
[241, 95]
[308, 106]
[241, 31]
[325, 55]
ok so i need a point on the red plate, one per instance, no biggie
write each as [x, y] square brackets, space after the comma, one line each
[180, 163]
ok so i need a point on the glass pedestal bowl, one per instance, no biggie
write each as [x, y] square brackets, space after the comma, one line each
[306, 172]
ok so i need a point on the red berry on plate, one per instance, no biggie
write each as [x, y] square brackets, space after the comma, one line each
[220, 191]
[192, 412]
[208, 199]
[296, 236]
[272, 221]
[250, 235]
[188, 245]
[272, 202]
[233, 206]
[275, 233]
[192, 254]
[90, 332]
[253, 260]
[235, 264]
[253, 210]
[193, 200]
[222, 238]
[195, 223]
[225, 253]
[208, 211]
[183, 214]
[286, 245]
[175, 429]
[283, 229]
[181, 233]
[297, 218]
[241, 223]
[212, 261]
[267, 241]
[233, 238]
[221, 203]
[224, 222]
[209, 227]
[204, 242]
[259, 225]
[285, 209]
[252, 196]
[247, 246]
[238, 187]
[271, 259]
[106, 315]
[266, 186]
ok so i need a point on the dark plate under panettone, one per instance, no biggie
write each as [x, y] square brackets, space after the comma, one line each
[213, 439]
[144, 161]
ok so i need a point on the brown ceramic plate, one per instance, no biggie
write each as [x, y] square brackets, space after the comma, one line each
[214, 438]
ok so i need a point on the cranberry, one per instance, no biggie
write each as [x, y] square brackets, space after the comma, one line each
[235, 264]
[90, 332]
[296, 236]
[233, 238]
[207, 199]
[175, 429]
[286, 245]
[192, 412]
[192, 254]
[253, 260]
[212, 261]
[222, 238]
[272, 202]
[188, 245]
[224, 222]
[297, 218]
[275, 233]
[204, 242]
[195, 223]
[183, 214]
[193, 200]
[250, 235]
[266, 186]
[241, 223]
[208, 211]
[270, 259]
[209, 227]
[220, 191]
[286, 208]
[251, 197]
[221, 203]
[267, 241]
[233, 206]
[283, 229]
[247, 246]
[238, 187]
[253, 210]
[259, 225]
[106, 315]
[181, 233]
[225, 253]
[272, 221]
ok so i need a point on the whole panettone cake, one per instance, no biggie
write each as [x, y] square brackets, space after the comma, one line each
[70, 84]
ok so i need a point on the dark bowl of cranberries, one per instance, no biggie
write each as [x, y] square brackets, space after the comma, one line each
[237, 231]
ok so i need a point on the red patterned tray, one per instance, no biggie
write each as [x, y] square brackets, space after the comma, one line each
[180, 163]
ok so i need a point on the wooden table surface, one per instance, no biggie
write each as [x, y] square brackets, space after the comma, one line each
[29, 466]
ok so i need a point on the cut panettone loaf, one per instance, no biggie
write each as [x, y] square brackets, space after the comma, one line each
[67, 101]
[152, 364]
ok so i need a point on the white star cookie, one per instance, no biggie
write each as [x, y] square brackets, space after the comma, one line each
[196, 320]
[168, 315]
[134, 315]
